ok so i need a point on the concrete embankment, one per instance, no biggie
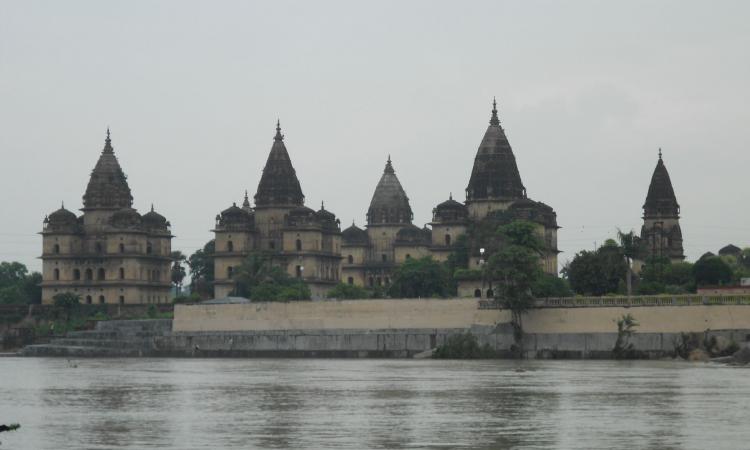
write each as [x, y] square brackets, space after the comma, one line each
[397, 328]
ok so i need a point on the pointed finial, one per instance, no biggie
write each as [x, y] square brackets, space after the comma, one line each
[152, 207]
[494, 120]
[659, 153]
[108, 143]
[62, 204]
[450, 196]
[246, 201]
[388, 165]
[322, 205]
[279, 136]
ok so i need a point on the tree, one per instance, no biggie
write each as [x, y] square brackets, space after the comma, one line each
[18, 286]
[177, 273]
[660, 276]
[597, 272]
[201, 264]
[515, 267]
[712, 271]
[348, 291]
[548, 285]
[420, 277]
[259, 280]
[629, 244]
[67, 302]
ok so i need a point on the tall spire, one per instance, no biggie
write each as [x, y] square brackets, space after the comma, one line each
[389, 204]
[108, 186]
[495, 174]
[661, 200]
[279, 185]
[494, 120]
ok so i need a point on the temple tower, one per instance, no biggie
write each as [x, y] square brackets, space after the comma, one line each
[495, 181]
[661, 233]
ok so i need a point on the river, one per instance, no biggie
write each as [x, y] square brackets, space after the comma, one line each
[359, 404]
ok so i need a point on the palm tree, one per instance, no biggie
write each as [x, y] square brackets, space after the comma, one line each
[629, 245]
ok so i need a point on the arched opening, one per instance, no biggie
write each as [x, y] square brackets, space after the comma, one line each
[380, 281]
[76, 274]
[230, 271]
[298, 271]
[372, 282]
[230, 246]
[56, 248]
[122, 300]
[478, 293]
[157, 277]
[447, 239]
[100, 274]
[350, 280]
[408, 256]
[89, 274]
[350, 259]
[57, 274]
[490, 293]
[149, 248]
[271, 245]
[384, 257]
[101, 299]
[99, 247]
[298, 245]
[122, 247]
[122, 273]
[387, 281]
[88, 299]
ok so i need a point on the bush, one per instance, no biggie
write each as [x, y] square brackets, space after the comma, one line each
[463, 346]
[348, 291]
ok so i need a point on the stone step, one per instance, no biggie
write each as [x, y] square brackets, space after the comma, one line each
[135, 326]
[93, 334]
[113, 343]
[77, 351]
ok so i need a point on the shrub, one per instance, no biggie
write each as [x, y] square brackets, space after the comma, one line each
[463, 346]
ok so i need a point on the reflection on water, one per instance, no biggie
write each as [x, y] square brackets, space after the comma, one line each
[356, 404]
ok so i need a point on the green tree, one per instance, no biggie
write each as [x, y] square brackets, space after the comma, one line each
[548, 285]
[630, 249]
[201, 264]
[67, 302]
[177, 272]
[18, 286]
[597, 272]
[712, 271]
[515, 268]
[258, 279]
[420, 277]
[348, 291]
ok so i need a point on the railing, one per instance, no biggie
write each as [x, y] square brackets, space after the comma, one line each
[627, 302]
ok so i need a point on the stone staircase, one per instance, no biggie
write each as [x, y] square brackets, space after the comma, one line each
[112, 338]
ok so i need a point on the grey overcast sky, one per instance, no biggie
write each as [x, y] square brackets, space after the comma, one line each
[587, 92]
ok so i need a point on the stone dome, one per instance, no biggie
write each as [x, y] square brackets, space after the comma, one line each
[413, 235]
[126, 218]
[354, 235]
[389, 204]
[450, 211]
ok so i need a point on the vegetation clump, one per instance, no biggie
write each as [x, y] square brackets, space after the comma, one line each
[463, 346]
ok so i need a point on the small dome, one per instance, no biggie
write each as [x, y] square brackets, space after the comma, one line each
[450, 211]
[154, 219]
[125, 218]
[413, 235]
[730, 249]
[355, 235]
[527, 209]
[235, 216]
[62, 217]
[327, 218]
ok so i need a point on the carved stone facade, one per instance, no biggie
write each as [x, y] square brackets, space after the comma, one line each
[495, 193]
[110, 253]
[304, 242]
